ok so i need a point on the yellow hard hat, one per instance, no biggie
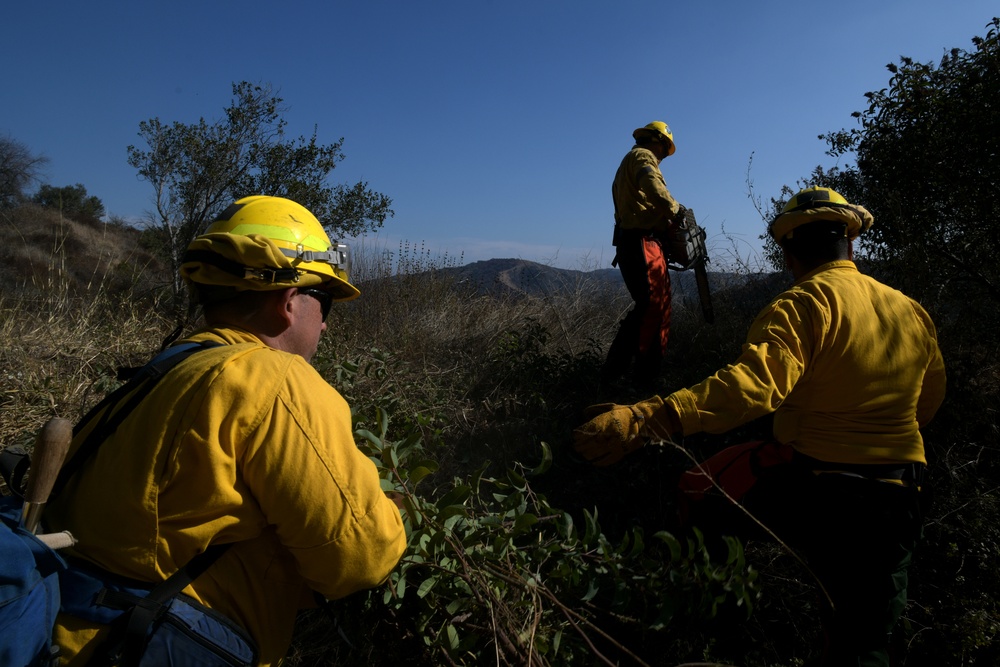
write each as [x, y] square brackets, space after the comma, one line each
[268, 243]
[814, 204]
[659, 130]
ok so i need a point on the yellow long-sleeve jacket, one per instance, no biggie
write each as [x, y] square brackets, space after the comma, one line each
[642, 200]
[850, 368]
[245, 444]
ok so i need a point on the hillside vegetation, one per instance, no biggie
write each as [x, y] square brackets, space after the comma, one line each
[521, 554]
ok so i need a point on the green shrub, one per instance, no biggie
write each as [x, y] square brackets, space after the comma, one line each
[495, 573]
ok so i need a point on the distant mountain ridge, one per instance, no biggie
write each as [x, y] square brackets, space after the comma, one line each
[523, 277]
[520, 277]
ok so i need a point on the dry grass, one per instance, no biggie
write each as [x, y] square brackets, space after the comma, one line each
[60, 358]
[77, 303]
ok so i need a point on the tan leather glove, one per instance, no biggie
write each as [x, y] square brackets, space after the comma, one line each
[618, 430]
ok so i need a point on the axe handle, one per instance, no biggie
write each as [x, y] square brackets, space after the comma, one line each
[46, 460]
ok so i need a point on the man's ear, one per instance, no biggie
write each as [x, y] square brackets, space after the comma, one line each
[283, 305]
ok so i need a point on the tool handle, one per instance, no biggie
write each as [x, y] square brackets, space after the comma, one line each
[59, 540]
[46, 460]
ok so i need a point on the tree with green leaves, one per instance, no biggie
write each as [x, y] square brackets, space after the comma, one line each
[198, 169]
[843, 181]
[928, 164]
[71, 200]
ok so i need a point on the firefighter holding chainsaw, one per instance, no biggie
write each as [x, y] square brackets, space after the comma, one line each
[851, 370]
[242, 444]
[644, 212]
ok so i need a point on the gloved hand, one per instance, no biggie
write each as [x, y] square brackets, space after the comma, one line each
[615, 431]
[592, 411]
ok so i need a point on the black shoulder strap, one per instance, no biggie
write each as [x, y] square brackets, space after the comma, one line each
[111, 415]
[129, 633]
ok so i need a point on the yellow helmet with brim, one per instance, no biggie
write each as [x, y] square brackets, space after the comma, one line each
[267, 243]
[658, 130]
[816, 203]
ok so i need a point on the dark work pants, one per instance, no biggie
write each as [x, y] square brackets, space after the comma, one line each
[857, 536]
[642, 335]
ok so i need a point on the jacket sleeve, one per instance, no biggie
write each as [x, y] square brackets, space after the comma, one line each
[772, 361]
[650, 182]
[320, 492]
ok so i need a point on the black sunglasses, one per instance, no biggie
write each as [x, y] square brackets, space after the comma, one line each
[325, 299]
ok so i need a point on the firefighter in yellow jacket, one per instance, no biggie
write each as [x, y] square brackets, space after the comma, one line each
[243, 443]
[851, 370]
[644, 211]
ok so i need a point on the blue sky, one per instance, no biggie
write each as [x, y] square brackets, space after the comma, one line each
[496, 127]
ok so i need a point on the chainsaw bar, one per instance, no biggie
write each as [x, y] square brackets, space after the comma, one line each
[704, 292]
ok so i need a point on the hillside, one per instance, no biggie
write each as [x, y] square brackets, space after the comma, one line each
[41, 250]
[512, 277]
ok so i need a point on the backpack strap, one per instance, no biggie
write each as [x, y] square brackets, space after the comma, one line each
[130, 631]
[111, 415]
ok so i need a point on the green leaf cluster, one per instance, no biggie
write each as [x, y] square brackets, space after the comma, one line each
[928, 154]
[71, 200]
[494, 573]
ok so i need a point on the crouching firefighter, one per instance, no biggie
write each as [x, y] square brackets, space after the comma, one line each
[226, 470]
[851, 370]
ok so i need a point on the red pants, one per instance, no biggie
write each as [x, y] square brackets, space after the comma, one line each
[642, 335]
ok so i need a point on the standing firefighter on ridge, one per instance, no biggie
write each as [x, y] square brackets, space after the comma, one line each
[644, 212]
[851, 370]
[241, 448]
